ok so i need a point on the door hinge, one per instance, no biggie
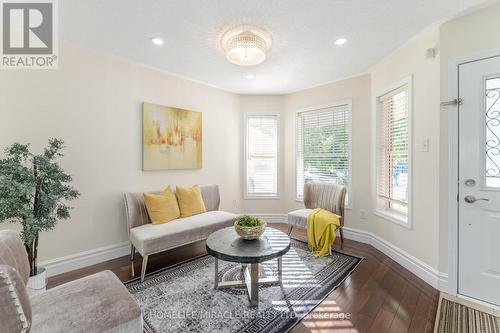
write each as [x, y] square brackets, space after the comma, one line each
[456, 101]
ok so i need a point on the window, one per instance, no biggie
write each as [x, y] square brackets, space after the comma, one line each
[261, 156]
[393, 154]
[323, 146]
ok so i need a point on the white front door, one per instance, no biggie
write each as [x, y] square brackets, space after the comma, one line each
[479, 180]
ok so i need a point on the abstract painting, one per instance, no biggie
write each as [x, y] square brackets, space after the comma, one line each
[171, 138]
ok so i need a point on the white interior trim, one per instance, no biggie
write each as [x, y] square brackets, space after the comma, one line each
[246, 195]
[408, 221]
[416, 266]
[347, 102]
[86, 258]
[427, 273]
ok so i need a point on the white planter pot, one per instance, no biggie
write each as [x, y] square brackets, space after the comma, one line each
[38, 282]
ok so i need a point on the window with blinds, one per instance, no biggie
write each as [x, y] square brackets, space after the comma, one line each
[261, 155]
[393, 139]
[323, 147]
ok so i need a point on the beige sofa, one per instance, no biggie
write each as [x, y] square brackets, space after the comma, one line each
[149, 238]
[96, 303]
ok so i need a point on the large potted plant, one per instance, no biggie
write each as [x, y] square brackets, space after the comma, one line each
[34, 191]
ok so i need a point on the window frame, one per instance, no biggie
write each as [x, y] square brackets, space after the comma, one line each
[380, 205]
[348, 103]
[261, 196]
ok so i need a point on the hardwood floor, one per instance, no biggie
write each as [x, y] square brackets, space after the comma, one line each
[379, 296]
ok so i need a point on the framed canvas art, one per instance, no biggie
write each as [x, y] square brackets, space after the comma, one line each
[171, 138]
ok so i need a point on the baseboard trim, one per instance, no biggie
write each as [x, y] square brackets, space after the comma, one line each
[272, 218]
[432, 276]
[427, 273]
[85, 258]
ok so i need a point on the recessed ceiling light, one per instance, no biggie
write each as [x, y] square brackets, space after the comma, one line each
[249, 76]
[157, 41]
[340, 41]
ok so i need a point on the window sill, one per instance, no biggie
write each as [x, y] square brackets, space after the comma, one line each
[261, 197]
[394, 217]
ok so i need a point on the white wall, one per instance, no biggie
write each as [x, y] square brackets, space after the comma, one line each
[272, 104]
[358, 90]
[93, 102]
[410, 60]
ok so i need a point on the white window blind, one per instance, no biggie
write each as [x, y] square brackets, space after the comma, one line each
[393, 149]
[323, 143]
[261, 155]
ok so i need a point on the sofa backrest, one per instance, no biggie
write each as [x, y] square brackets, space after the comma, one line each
[327, 196]
[137, 213]
[13, 253]
[15, 306]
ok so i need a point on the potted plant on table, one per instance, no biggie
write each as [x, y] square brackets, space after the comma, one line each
[34, 190]
[249, 228]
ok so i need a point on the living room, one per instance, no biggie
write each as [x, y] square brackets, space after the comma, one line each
[157, 144]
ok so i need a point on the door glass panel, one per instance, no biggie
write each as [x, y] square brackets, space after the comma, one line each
[493, 132]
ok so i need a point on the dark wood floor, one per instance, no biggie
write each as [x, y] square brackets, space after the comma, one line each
[379, 296]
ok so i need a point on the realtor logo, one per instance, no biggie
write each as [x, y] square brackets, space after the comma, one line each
[29, 34]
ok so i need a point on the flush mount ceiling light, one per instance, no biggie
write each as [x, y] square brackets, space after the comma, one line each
[246, 45]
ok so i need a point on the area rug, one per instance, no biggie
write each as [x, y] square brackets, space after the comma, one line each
[182, 298]
[458, 318]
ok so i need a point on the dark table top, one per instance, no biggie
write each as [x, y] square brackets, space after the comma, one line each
[225, 244]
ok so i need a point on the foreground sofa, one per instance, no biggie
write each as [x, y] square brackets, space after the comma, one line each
[148, 238]
[96, 303]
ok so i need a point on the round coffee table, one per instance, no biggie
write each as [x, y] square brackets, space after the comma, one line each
[225, 244]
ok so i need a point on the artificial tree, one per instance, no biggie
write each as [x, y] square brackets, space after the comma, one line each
[34, 191]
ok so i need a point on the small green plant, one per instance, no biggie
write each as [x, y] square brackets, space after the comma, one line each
[249, 221]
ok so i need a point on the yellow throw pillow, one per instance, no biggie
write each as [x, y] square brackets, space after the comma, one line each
[162, 207]
[190, 201]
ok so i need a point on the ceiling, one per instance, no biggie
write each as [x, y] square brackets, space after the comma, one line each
[303, 53]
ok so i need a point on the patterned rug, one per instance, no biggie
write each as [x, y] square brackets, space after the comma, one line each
[182, 298]
[458, 318]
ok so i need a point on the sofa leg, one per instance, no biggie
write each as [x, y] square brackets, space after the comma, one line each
[290, 228]
[143, 269]
[132, 257]
[341, 236]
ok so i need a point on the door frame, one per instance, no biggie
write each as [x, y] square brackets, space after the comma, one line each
[451, 286]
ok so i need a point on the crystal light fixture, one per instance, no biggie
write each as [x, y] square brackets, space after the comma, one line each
[246, 45]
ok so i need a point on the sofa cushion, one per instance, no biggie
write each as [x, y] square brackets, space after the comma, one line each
[299, 217]
[136, 210]
[162, 207]
[96, 303]
[149, 238]
[190, 201]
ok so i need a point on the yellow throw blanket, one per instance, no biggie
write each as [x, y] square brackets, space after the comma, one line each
[321, 230]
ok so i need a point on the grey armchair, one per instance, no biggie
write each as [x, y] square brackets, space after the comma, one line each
[319, 195]
[95, 303]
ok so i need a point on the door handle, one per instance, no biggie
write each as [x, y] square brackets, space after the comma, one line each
[472, 199]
